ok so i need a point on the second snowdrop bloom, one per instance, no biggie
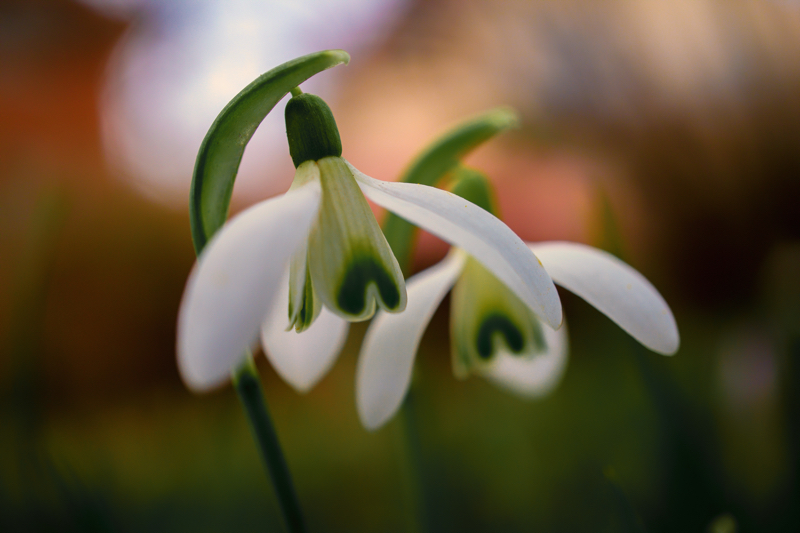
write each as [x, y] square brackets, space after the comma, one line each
[300, 266]
[494, 333]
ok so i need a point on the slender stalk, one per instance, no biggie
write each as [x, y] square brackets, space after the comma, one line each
[419, 492]
[248, 386]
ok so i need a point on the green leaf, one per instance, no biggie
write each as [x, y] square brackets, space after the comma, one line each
[434, 163]
[221, 151]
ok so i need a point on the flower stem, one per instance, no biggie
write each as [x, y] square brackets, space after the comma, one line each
[419, 491]
[248, 387]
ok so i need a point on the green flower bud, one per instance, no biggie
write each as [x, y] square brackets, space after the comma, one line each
[311, 129]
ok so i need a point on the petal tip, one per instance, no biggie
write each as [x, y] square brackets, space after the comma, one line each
[370, 424]
[672, 346]
[371, 417]
[342, 56]
[556, 318]
[669, 341]
[373, 406]
[303, 387]
[666, 342]
[504, 117]
[551, 311]
[199, 381]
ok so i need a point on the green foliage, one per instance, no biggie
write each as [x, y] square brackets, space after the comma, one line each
[221, 151]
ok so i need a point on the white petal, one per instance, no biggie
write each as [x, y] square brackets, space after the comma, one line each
[232, 285]
[301, 359]
[614, 288]
[391, 342]
[535, 376]
[481, 234]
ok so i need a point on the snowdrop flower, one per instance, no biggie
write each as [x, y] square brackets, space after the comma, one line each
[493, 332]
[300, 266]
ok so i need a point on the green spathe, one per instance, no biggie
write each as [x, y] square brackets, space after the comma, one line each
[221, 151]
[311, 129]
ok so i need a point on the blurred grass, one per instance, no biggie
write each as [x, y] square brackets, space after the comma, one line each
[168, 461]
[173, 462]
[154, 457]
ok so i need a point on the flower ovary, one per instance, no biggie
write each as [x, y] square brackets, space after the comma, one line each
[311, 129]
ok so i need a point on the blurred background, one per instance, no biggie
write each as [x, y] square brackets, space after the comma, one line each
[666, 133]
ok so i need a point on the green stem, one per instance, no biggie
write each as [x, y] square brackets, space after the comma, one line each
[248, 386]
[418, 489]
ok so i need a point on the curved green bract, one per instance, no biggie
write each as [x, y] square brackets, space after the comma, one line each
[435, 162]
[221, 151]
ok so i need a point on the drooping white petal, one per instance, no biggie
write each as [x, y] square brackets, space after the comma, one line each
[390, 345]
[615, 289]
[232, 285]
[478, 232]
[535, 376]
[301, 359]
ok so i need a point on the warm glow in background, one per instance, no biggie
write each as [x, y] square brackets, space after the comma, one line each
[667, 133]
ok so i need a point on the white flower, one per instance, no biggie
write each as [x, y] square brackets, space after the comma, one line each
[314, 259]
[494, 334]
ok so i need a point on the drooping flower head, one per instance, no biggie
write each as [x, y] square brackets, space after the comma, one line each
[345, 264]
[494, 333]
[300, 266]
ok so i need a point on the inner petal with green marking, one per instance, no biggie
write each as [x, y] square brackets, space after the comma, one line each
[304, 305]
[352, 267]
[487, 319]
